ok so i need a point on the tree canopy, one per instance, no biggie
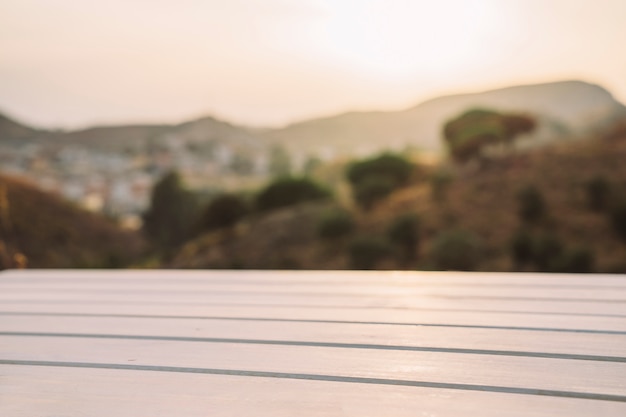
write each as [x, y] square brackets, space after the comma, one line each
[172, 211]
[468, 134]
[223, 211]
[374, 178]
[288, 191]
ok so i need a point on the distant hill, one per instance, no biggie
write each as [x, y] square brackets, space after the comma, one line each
[568, 108]
[52, 233]
[12, 130]
[137, 137]
[564, 109]
[108, 137]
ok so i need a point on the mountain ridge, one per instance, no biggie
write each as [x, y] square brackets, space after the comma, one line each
[579, 106]
[12, 129]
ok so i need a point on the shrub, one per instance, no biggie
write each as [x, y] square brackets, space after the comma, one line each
[532, 205]
[367, 252]
[404, 233]
[578, 261]
[439, 183]
[173, 209]
[335, 224]
[546, 250]
[289, 191]
[394, 167]
[372, 190]
[456, 250]
[597, 190]
[224, 210]
[375, 178]
[617, 217]
[521, 247]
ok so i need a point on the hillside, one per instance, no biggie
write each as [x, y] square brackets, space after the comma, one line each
[483, 204]
[141, 137]
[283, 239]
[51, 233]
[116, 165]
[12, 130]
[112, 138]
[565, 109]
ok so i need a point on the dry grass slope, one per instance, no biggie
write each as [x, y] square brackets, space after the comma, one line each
[51, 233]
[483, 202]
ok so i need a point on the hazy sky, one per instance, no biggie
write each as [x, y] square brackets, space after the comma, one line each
[72, 63]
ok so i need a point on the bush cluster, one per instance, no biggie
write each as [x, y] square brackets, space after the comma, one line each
[288, 191]
[225, 210]
[617, 217]
[532, 205]
[374, 179]
[335, 224]
[597, 191]
[404, 233]
[456, 250]
[547, 253]
[367, 252]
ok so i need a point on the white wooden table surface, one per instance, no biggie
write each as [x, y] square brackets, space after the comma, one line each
[169, 343]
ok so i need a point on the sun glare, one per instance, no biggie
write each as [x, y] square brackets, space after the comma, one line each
[404, 37]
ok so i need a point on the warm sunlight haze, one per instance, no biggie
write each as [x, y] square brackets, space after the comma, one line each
[269, 62]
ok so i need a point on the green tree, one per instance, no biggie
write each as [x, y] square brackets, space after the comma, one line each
[439, 183]
[394, 167]
[521, 246]
[598, 190]
[168, 221]
[223, 211]
[288, 191]
[617, 217]
[371, 190]
[468, 134]
[531, 204]
[367, 252]
[456, 250]
[335, 224]
[404, 232]
[576, 261]
[375, 178]
[546, 250]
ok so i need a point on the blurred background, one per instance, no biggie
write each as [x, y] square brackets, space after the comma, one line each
[313, 134]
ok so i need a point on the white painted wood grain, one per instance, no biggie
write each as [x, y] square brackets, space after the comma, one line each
[487, 330]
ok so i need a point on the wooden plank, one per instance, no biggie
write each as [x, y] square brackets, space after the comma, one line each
[402, 337]
[281, 278]
[330, 342]
[588, 320]
[173, 306]
[106, 393]
[434, 367]
[382, 285]
[548, 295]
